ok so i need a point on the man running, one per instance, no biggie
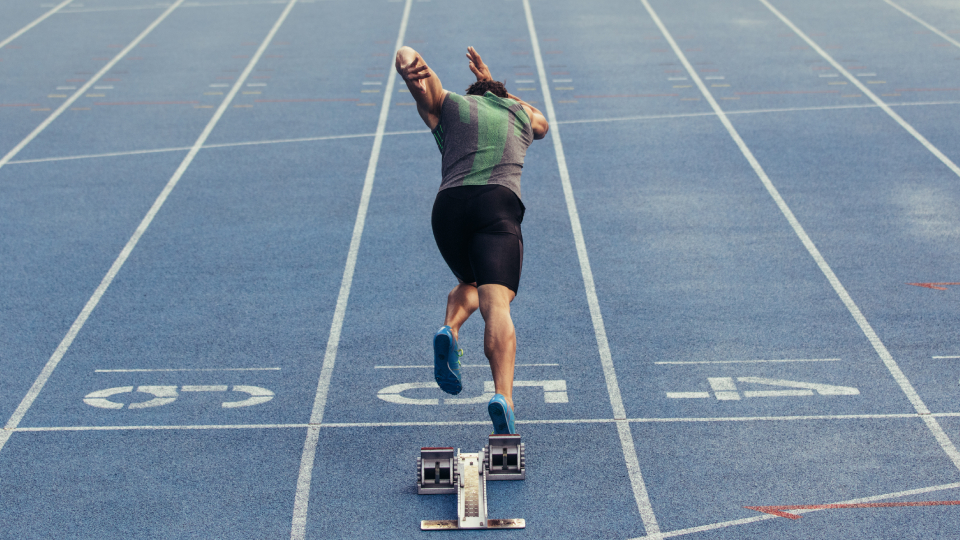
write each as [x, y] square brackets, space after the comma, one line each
[483, 138]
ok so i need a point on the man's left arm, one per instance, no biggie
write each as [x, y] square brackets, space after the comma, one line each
[537, 121]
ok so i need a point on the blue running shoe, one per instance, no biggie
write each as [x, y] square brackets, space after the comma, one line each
[446, 361]
[502, 416]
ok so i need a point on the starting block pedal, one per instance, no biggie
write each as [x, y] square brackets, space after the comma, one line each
[441, 470]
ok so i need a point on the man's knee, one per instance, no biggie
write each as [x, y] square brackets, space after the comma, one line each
[494, 297]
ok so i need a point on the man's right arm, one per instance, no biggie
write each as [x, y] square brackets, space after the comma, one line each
[423, 83]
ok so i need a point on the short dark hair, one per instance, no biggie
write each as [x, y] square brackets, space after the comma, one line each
[480, 88]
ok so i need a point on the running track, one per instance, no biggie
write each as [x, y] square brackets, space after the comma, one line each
[219, 281]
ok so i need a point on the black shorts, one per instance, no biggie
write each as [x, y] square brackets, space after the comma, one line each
[477, 229]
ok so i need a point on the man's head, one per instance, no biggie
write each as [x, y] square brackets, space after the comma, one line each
[480, 88]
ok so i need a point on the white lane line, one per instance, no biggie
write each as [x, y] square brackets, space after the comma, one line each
[609, 373]
[561, 421]
[81, 319]
[222, 145]
[946, 356]
[167, 370]
[298, 528]
[750, 361]
[838, 287]
[426, 366]
[939, 434]
[755, 519]
[76, 95]
[35, 22]
[753, 111]
[92, 156]
[421, 131]
[929, 26]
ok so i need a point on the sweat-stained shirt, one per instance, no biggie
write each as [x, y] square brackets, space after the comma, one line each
[483, 140]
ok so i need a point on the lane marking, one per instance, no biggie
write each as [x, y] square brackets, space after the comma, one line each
[220, 145]
[298, 528]
[942, 357]
[924, 23]
[609, 373]
[35, 22]
[779, 510]
[554, 391]
[745, 521]
[81, 319]
[945, 443]
[561, 421]
[79, 92]
[725, 389]
[411, 132]
[171, 370]
[749, 361]
[938, 286]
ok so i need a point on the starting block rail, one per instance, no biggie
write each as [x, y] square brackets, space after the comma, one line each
[443, 470]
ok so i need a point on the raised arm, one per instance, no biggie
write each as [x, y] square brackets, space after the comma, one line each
[423, 83]
[537, 121]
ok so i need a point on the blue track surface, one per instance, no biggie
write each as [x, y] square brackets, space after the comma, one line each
[219, 283]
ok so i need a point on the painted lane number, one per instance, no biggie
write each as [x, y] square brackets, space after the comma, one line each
[164, 395]
[725, 389]
[553, 392]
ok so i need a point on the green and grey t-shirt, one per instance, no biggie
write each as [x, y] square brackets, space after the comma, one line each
[483, 140]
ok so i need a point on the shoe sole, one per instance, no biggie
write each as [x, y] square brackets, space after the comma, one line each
[445, 378]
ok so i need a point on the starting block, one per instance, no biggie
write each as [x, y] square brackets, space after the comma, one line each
[443, 470]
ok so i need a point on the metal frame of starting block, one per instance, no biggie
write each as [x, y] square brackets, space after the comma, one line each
[443, 470]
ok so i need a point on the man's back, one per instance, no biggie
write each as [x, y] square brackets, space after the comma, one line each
[483, 140]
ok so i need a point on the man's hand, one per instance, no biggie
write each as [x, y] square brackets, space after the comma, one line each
[412, 69]
[477, 66]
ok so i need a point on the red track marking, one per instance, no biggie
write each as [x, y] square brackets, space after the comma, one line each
[150, 103]
[302, 100]
[778, 510]
[627, 95]
[927, 89]
[705, 70]
[19, 104]
[789, 92]
[933, 285]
